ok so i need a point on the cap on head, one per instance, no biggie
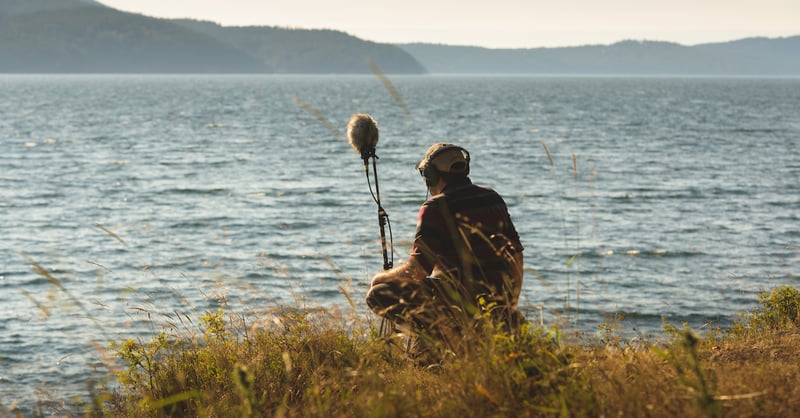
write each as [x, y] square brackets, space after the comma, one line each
[446, 158]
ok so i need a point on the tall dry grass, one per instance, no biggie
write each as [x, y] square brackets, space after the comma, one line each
[316, 362]
[322, 363]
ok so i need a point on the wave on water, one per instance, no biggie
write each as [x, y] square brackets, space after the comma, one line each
[755, 130]
[213, 191]
[637, 252]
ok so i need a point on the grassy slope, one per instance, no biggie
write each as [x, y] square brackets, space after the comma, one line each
[315, 363]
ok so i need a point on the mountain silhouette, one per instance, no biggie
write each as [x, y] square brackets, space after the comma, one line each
[753, 56]
[85, 36]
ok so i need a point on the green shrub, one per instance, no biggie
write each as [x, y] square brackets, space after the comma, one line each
[780, 310]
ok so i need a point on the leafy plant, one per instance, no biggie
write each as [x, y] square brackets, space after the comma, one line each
[780, 310]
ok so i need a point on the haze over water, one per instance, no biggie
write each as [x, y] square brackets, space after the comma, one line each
[177, 194]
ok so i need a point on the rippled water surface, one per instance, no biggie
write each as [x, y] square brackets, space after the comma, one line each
[141, 196]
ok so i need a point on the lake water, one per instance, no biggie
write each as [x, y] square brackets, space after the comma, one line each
[668, 199]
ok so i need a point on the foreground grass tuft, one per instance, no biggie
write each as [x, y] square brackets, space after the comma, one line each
[316, 363]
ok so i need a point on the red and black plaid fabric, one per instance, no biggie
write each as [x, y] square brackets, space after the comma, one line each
[466, 231]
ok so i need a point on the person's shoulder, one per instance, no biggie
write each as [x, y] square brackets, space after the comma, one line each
[483, 187]
[479, 188]
[434, 200]
[488, 194]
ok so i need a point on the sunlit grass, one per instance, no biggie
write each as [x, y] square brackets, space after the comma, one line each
[323, 363]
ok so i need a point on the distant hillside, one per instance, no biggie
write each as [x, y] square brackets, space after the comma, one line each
[309, 51]
[83, 36]
[16, 7]
[755, 56]
[80, 37]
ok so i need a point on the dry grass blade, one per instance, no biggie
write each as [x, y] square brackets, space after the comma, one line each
[389, 86]
[311, 110]
[45, 311]
[547, 151]
[487, 395]
[347, 296]
[98, 265]
[574, 167]
[742, 396]
[46, 274]
[57, 283]
[113, 235]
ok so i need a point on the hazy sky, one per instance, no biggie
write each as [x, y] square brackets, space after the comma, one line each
[500, 23]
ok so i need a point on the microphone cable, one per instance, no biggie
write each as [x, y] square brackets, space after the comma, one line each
[383, 216]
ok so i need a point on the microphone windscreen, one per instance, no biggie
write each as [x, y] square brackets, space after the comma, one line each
[362, 132]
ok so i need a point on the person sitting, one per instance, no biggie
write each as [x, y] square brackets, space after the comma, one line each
[466, 260]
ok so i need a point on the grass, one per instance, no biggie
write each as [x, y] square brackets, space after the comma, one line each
[321, 363]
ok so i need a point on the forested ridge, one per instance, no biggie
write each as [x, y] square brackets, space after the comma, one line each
[84, 36]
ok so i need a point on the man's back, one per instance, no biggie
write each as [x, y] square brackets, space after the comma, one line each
[466, 232]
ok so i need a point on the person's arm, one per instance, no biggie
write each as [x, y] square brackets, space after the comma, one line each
[410, 271]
